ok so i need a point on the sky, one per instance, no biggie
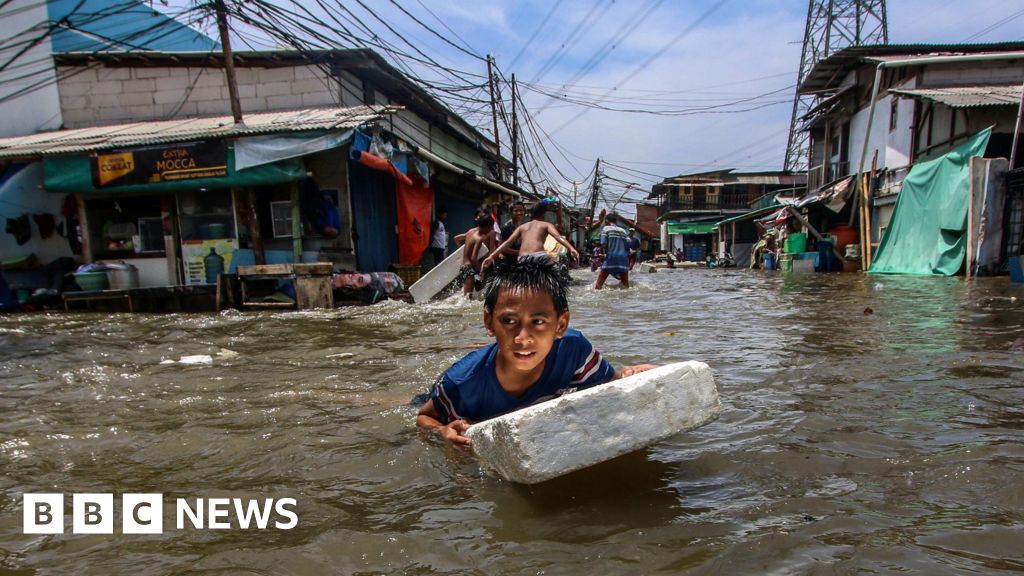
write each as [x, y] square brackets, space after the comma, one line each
[725, 69]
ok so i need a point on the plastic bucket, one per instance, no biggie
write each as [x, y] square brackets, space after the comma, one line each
[769, 261]
[795, 242]
[89, 281]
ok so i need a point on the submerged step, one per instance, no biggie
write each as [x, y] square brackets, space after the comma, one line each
[590, 426]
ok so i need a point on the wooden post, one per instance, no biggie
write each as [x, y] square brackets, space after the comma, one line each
[254, 228]
[83, 225]
[229, 60]
[867, 210]
[296, 223]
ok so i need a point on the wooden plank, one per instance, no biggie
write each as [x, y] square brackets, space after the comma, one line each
[314, 268]
[266, 270]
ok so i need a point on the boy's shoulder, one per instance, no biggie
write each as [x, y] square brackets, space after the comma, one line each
[471, 366]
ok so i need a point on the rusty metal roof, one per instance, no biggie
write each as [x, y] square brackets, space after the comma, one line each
[968, 96]
[83, 140]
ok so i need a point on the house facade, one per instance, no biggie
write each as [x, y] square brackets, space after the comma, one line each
[884, 109]
[150, 167]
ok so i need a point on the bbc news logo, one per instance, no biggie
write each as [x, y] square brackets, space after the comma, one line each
[144, 513]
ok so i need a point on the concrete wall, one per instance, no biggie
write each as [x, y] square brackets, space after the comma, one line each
[38, 109]
[92, 97]
[973, 73]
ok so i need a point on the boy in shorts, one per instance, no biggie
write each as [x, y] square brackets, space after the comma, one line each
[535, 356]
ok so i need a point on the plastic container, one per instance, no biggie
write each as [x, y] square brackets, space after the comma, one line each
[213, 265]
[90, 281]
[122, 276]
[844, 235]
[786, 262]
[795, 242]
[769, 261]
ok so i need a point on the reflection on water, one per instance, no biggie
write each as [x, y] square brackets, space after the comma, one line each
[868, 424]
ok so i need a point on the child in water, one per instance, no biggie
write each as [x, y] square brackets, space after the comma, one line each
[535, 356]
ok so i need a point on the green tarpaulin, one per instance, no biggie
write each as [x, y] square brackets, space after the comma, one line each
[74, 174]
[691, 227]
[927, 234]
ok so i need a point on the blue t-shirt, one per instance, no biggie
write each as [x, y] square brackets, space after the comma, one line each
[470, 389]
[616, 258]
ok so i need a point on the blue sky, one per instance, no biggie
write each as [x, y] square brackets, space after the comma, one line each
[677, 55]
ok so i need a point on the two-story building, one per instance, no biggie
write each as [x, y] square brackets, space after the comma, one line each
[885, 109]
[690, 205]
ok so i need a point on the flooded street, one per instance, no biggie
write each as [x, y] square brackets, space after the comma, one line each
[869, 424]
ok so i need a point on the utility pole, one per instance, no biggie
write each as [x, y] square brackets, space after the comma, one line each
[595, 188]
[515, 136]
[494, 112]
[229, 59]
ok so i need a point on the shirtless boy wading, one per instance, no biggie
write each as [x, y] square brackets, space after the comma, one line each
[531, 237]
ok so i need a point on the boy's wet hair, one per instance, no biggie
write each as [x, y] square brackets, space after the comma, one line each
[539, 209]
[532, 275]
[484, 222]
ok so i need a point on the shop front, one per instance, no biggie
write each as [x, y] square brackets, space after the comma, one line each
[171, 211]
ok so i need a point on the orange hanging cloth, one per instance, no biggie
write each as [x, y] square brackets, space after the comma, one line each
[413, 200]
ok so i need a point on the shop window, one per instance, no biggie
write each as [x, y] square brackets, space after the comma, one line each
[115, 226]
[281, 216]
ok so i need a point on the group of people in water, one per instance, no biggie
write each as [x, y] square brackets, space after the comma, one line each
[616, 250]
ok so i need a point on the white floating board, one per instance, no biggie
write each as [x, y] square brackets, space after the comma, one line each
[439, 276]
[646, 268]
[584, 428]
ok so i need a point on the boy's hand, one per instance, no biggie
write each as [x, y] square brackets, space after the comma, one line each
[574, 255]
[455, 432]
[631, 370]
[487, 262]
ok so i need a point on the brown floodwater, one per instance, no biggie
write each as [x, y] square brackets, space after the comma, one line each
[868, 424]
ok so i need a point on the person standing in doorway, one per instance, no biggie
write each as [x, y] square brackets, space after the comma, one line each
[439, 236]
[616, 254]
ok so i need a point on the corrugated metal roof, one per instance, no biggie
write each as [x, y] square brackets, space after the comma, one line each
[829, 72]
[81, 140]
[968, 96]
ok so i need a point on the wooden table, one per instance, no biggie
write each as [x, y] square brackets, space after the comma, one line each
[91, 295]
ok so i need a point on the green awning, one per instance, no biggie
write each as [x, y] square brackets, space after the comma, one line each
[74, 174]
[691, 227]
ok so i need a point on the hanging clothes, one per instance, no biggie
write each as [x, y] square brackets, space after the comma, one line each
[20, 228]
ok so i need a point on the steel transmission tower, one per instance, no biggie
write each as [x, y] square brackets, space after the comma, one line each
[831, 26]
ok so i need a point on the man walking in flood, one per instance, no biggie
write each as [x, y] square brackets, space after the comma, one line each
[616, 253]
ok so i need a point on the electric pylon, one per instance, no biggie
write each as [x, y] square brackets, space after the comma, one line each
[831, 26]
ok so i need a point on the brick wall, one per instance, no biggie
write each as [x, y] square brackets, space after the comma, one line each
[98, 96]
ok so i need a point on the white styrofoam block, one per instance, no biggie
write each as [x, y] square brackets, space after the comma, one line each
[597, 424]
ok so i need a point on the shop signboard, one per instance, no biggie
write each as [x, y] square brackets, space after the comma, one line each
[154, 164]
[205, 259]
